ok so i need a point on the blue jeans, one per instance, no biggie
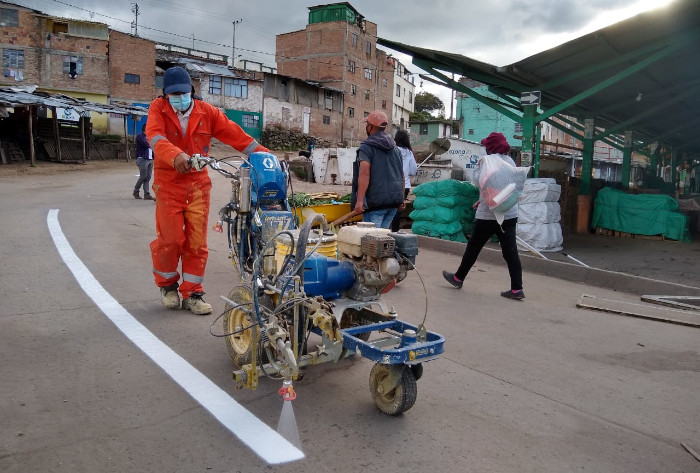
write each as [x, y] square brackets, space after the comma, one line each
[380, 218]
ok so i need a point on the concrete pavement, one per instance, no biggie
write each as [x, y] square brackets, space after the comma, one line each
[532, 386]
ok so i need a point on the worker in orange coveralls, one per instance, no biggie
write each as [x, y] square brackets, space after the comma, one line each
[178, 127]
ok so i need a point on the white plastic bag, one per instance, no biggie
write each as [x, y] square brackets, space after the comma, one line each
[500, 184]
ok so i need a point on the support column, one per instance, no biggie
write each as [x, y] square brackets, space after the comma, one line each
[538, 138]
[654, 162]
[529, 113]
[584, 199]
[587, 163]
[30, 128]
[626, 160]
[675, 161]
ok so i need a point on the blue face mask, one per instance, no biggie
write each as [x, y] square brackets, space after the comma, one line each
[180, 102]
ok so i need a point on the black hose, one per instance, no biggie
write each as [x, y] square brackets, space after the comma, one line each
[299, 258]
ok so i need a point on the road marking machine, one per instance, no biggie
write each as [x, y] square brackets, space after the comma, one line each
[306, 280]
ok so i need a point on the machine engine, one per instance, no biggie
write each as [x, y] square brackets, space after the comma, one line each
[378, 258]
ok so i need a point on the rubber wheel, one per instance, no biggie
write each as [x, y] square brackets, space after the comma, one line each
[239, 344]
[398, 400]
[417, 371]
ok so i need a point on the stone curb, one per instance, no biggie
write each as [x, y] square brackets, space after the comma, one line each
[569, 272]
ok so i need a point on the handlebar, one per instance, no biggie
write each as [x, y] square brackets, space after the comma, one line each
[199, 162]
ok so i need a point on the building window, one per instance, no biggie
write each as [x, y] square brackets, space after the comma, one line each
[236, 88]
[410, 97]
[423, 129]
[368, 49]
[518, 128]
[354, 39]
[132, 78]
[351, 66]
[249, 120]
[366, 114]
[215, 85]
[385, 82]
[471, 131]
[398, 90]
[159, 81]
[72, 65]
[9, 17]
[351, 112]
[384, 104]
[366, 94]
[368, 73]
[13, 58]
[326, 120]
[353, 89]
[329, 100]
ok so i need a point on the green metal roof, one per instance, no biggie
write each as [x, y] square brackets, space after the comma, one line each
[641, 74]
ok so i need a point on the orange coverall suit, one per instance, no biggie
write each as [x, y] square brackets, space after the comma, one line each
[182, 200]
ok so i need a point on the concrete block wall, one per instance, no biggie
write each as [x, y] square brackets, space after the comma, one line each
[252, 103]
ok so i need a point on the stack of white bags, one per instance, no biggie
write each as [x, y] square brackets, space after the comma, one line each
[539, 214]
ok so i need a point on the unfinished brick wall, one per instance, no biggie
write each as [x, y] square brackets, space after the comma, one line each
[323, 51]
[25, 37]
[136, 56]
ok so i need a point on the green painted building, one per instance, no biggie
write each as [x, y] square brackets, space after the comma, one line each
[424, 132]
[479, 120]
[251, 122]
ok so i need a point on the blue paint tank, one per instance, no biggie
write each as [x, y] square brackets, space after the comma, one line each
[327, 277]
[269, 182]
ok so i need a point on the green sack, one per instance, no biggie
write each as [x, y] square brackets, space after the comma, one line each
[438, 214]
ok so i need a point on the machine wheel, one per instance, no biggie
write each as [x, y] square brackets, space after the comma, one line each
[239, 344]
[417, 371]
[398, 400]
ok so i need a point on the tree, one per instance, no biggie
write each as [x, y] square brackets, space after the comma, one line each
[427, 102]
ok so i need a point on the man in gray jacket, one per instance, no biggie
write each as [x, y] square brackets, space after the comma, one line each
[377, 178]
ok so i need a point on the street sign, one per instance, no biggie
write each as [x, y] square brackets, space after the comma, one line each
[531, 98]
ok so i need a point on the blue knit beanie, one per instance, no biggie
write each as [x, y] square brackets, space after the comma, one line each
[176, 79]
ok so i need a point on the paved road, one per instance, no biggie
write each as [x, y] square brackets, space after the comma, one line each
[533, 386]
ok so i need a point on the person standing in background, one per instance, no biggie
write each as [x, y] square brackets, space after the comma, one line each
[144, 160]
[410, 168]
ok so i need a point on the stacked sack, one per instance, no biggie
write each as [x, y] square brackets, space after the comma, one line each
[443, 209]
[539, 214]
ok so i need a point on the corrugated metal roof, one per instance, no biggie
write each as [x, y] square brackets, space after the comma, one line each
[13, 97]
[660, 101]
[209, 69]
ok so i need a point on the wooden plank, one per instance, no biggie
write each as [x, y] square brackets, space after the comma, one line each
[690, 318]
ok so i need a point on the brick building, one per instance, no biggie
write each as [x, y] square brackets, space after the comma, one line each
[295, 104]
[58, 55]
[132, 76]
[338, 50]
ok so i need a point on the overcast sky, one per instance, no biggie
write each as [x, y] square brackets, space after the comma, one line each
[498, 32]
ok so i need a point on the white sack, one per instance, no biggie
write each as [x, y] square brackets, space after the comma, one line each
[539, 212]
[546, 237]
[542, 189]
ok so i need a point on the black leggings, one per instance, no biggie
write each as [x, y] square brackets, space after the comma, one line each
[483, 229]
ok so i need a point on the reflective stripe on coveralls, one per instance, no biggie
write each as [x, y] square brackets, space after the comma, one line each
[192, 278]
[166, 275]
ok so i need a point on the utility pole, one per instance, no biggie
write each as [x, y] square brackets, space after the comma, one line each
[233, 56]
[135, 23]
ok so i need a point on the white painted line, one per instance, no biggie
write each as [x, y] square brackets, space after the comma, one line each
[258, 436]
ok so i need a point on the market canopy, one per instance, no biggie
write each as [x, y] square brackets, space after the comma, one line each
[22, 96]
[641, 74]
